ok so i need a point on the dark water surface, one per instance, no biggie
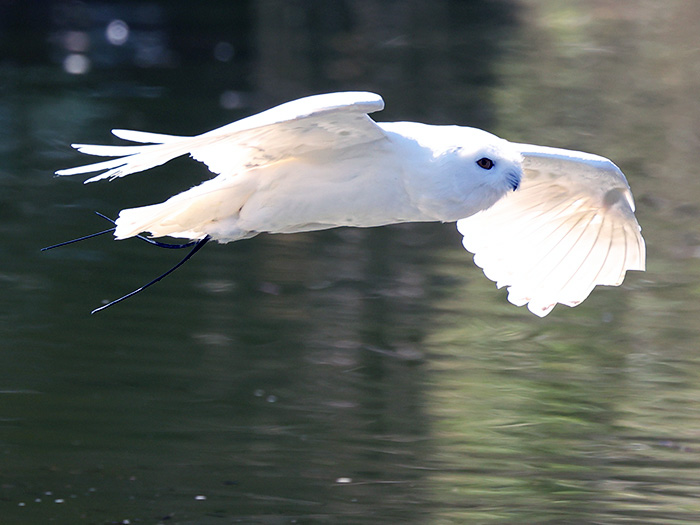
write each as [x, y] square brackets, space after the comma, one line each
[347, 376]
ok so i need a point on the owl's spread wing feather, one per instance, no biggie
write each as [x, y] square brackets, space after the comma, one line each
[569, 227]
[330, 121]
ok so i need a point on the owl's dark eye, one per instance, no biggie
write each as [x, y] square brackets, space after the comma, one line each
[485, 163]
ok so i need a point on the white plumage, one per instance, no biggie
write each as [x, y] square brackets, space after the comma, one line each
[570, 227]
[321, 162]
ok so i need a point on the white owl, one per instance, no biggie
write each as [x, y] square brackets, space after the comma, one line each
[550, 224]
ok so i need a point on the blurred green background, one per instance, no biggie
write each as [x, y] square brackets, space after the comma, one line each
[356, 376]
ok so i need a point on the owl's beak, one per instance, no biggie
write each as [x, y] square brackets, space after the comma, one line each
[514, 180]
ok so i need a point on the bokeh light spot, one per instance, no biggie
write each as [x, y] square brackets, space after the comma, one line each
[117, 32]
[76, 64]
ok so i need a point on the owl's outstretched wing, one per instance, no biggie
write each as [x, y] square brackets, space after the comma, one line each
[569, 227]
[330, 121]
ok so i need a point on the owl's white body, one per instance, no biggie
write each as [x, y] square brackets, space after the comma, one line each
[321, 162]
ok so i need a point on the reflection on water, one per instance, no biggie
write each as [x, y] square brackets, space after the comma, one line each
[352, 376]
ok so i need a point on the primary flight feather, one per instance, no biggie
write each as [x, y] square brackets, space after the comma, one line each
[549, 224]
